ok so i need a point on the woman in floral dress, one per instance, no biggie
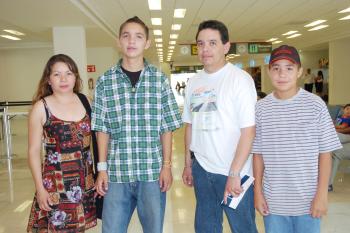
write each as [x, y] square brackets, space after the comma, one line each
[64, 199]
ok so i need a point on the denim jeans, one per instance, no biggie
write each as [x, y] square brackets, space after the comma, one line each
[209, 190]
[292, 224]
[121, 201]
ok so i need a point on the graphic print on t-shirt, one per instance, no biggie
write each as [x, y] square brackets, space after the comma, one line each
[204, 109]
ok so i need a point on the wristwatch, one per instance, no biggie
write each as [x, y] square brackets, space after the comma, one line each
[234, 174]
[102, 166]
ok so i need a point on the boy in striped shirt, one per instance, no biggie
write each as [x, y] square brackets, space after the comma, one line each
[292, 150]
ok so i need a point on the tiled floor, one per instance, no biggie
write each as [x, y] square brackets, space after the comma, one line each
[16, 193]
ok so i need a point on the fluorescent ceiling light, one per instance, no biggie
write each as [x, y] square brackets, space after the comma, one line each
[289, 33]
[159, 45]
[14, 32]
[314, 23]
[293, 36]
[172, 42]
[174, 36]
[157, 32]
[277, 42]
[156, 21]
[10, 37]
[158, 40]
[179, 13]
[176, 27]
[345, 10]
[170, 50]
[345, 18]
[171, 47]
[272, 39]
[318, 27]
[154, 4]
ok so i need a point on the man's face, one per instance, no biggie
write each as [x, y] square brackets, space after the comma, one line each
[211, 50]
[347, 111]
[284, 75]
[133, 41]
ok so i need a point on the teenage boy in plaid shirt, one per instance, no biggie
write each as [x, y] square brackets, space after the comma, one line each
[134, 113]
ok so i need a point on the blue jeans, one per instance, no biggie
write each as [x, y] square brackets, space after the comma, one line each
[209, 190]
[291, 224]
[121, 201]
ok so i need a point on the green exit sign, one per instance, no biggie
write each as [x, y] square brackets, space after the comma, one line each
[259, 47]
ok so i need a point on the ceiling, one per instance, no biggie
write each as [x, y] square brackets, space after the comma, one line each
[247, 20]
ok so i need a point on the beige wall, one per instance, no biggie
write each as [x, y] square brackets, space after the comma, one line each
[21, 69]
[339, 71]
[20, 72]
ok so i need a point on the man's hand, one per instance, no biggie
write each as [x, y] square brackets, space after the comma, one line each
[102, 183]
[260, 203]
[165, 179]
[319, 205]
[187, 177]
[233, 187]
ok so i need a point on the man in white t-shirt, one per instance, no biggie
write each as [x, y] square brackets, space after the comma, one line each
[219, 113]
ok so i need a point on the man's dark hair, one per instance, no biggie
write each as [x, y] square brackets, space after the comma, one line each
[214, 25]
[137, 20]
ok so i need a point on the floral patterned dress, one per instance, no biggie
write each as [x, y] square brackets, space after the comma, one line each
[67, 176]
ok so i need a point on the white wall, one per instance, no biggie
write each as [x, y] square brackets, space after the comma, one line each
[339, 71]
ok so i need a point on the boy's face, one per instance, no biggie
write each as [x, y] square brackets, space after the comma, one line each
[284, 75]
[347, 111]
[211, 50]
[132, 41]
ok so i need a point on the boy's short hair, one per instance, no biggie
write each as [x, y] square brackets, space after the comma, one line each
[214, 25]
[137, 20]
[346, 105]
[285, 52]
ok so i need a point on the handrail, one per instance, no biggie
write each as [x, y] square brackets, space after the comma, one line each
[15, 103]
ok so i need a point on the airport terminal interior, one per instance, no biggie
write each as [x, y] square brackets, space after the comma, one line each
[31, 31]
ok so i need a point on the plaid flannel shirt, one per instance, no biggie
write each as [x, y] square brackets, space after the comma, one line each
[134, 118]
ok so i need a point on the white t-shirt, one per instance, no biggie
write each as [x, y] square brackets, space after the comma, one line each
[218, 105]
[309, 78]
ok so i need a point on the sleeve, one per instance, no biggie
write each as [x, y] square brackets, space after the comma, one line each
[99, 120]
[186, 115]
[171, 118]
[245, 100]
[257, 140]
[327, 137]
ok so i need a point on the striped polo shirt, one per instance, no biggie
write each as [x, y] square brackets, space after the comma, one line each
[290, 135]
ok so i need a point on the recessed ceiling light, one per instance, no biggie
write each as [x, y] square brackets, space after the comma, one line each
[179, 13]
[10, 37]
[172, 42]
[176, 27]
[293, 36]
[318, 27]
[277, 42]
[272, 39]
[345, 18]
[158, 40]
[156, 21]
[154, 4]
[159, 49]
[157, 32]
[170, 50]
[174, 36]
[289, 33]
[314, 23]
[345, 10]
[171, 47]
[14, 32]
[159, 45]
